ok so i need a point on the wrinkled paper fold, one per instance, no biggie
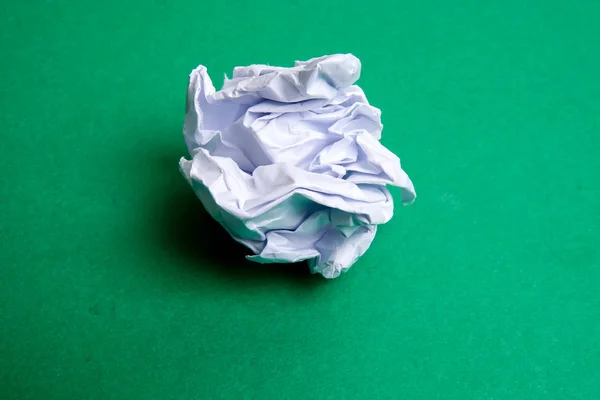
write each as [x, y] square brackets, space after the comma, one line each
[288, 161]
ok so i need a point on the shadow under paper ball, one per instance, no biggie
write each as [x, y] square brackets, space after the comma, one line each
[191, 232]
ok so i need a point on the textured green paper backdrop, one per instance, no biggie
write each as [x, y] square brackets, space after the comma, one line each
[112, 283]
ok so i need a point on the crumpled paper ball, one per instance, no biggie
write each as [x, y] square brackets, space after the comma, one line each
[288, 161]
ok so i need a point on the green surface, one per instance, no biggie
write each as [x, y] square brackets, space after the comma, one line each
[112, 285]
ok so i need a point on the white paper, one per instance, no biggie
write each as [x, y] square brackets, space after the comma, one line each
[288, 161]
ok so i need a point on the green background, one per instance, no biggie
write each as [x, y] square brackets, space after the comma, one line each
[112, 281]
